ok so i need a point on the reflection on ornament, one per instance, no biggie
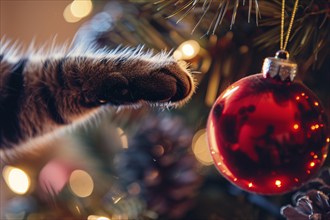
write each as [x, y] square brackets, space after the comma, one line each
[267, 136]
[278, 183]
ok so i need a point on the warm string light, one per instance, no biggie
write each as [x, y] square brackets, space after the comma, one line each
[17, 180]
[199, 59]
[68, 16]
[81, 183]
[77, 10]
[96, 217]
[187, 50]
[200, 148]
[81, 8]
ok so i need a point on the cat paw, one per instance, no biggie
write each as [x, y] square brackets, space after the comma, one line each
[169, 84]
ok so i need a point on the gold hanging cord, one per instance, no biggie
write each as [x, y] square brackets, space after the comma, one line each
[284, 44]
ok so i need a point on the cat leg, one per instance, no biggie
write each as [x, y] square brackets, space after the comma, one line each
[54, 92]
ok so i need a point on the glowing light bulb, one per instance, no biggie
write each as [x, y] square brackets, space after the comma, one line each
[188, 50]
[200, 148]
[96, 217]
[177, 55]
[81, 8]
[81, 183]
[68, 16]
[17, 180]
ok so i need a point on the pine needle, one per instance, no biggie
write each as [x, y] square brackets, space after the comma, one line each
[214, 9]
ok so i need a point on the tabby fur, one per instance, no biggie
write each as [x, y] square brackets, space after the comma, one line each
[43, 92]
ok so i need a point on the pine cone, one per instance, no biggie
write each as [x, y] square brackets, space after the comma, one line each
[312, 201]
[158, 167]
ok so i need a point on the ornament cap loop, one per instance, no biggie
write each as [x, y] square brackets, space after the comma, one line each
[282, 54]
[280, 66]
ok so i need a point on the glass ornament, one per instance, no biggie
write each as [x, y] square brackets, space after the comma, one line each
[267, 133]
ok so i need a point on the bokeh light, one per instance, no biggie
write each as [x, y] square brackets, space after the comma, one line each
[200, 148]
[81, 8]
[244, 49]
[68, 16]
[96, 217]
[77, 10]
[187, 50]
[17, 180]
[123, 138]
[121, 217]
[81, 183]
[54, 175]
[177, 54]
[134, 188]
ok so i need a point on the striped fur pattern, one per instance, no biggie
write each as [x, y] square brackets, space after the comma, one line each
[41, 92]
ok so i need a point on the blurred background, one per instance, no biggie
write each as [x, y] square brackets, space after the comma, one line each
[39, 20]
[153, 163]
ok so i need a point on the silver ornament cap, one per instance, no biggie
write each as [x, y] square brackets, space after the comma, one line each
[280, 66]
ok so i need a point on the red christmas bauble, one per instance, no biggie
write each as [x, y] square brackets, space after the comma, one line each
[267, 136]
